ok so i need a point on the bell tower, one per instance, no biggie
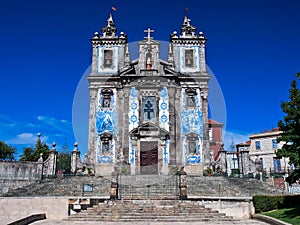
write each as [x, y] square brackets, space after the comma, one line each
[187, 55]
[110, 55]
[187, 51]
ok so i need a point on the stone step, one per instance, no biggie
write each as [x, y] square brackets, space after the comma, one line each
[169, 210]
[153, 219]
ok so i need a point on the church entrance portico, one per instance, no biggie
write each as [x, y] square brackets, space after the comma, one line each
[150, 153]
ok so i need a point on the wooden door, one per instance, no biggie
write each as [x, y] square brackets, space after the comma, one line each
[148, 157]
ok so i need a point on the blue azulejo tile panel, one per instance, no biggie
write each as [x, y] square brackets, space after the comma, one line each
[106, 122]
[133, 114]
[164, 109]
[191, 122]
[166, 156]
[131, 153]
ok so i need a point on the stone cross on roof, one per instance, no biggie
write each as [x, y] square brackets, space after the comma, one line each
[148, 31]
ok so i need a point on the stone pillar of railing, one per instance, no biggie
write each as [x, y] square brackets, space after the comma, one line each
[114, 184]
[182, 184]
[74, 158]
[40, 167]
[53, 160]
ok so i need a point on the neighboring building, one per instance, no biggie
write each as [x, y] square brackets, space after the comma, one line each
[148, 115]
[215, 137]
[263, 150]
[256, 155]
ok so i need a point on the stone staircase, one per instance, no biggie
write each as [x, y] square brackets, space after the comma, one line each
[229, 187]
[146, 197]
[147, 187]
[146, 210]
[66, 186]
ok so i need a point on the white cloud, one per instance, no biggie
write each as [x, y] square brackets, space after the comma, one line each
[55, 123]
[25, 138]
[235, 136]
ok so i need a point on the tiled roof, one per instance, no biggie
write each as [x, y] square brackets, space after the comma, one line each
[210, 121]
[244, 143]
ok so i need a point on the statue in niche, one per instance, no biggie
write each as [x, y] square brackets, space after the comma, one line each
[148, 64]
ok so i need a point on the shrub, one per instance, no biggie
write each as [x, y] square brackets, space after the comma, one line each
[268, 203]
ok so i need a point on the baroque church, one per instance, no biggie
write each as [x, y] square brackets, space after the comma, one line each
[148, 115]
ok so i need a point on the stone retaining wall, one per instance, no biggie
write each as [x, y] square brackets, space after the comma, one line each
[13, 209]
[16, 174]
[238, 208]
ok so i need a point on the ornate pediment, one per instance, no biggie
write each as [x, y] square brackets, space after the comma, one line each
[149, 130]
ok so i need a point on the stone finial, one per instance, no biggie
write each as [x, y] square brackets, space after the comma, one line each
[53, 145]
[123, 35]
[96, 35]
[75, 146]
[109, 30]
[187, 30]
[41, 158]
[174, 34]
[39, 135]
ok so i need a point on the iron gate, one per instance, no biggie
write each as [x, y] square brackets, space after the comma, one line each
[148, 187]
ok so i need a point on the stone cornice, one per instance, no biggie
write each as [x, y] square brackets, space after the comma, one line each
[108, 41]
[185, 41]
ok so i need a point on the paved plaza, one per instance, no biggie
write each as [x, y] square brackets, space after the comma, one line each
[241, 222]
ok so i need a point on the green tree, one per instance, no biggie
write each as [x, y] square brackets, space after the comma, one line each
[290, 125]
[28, 154]
[64, 162]
[41, 148]
[33, 154]
[7, 152]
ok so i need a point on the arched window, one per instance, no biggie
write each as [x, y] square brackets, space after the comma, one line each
[106, 140]
[106, 98]
[191, 98]
[192, 142]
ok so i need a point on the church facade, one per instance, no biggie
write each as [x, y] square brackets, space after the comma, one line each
[148, 115]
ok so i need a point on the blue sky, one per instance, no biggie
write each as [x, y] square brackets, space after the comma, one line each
[252, 49]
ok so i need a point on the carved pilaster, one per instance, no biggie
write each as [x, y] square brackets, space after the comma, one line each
[206, 152]
[92, 128]
[172, 124]
[94, 59]
[177, 103]
[125, 137]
